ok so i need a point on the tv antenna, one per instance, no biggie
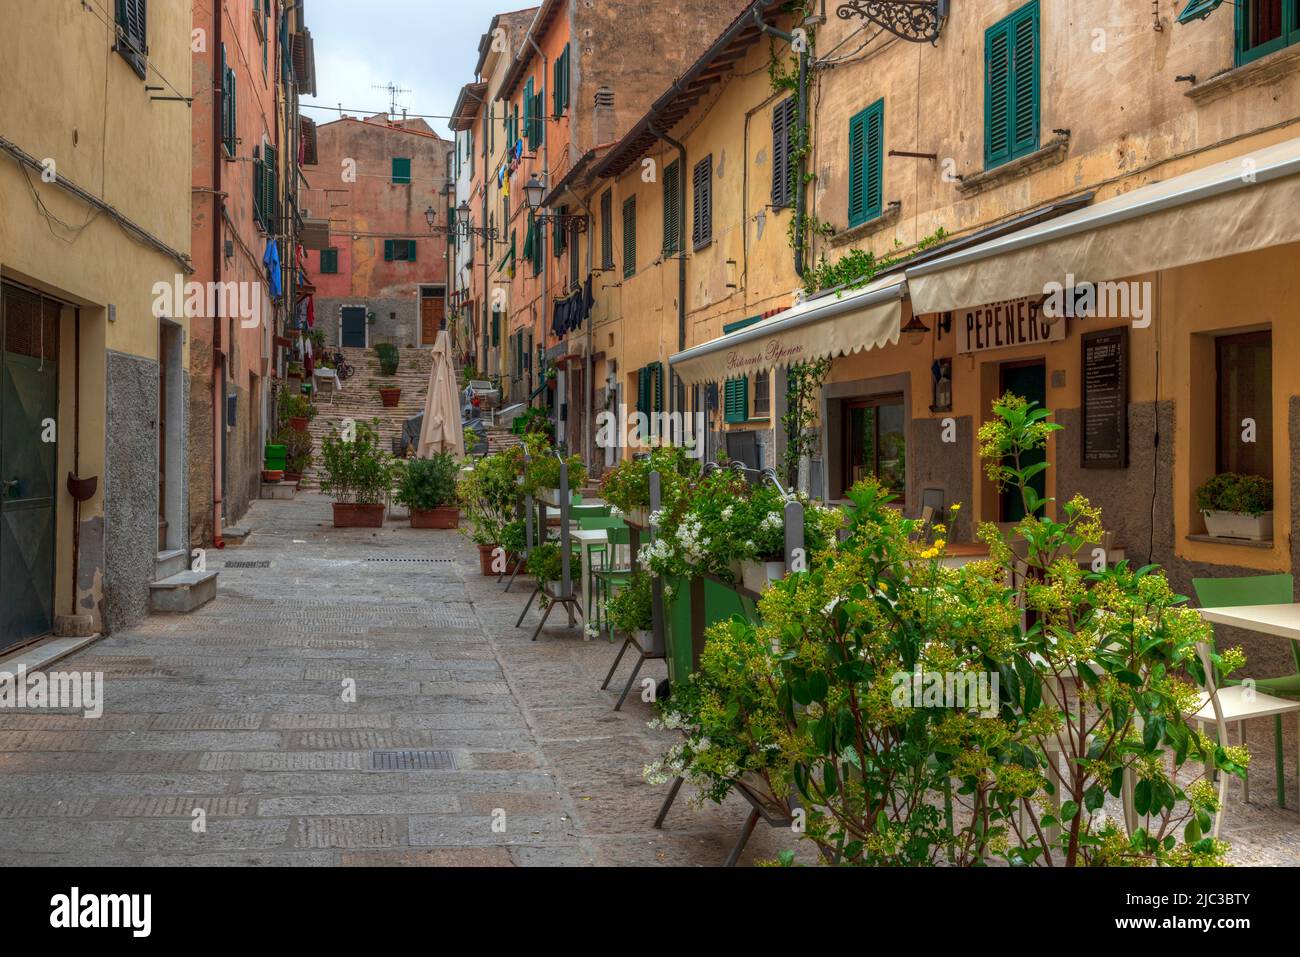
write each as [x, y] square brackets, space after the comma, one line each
[394, 91]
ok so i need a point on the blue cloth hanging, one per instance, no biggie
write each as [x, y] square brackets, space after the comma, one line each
[271, 258]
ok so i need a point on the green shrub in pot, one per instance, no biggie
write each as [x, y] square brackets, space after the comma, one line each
[426, 484]
[629, 608]
[388, 358]
[1230, 492]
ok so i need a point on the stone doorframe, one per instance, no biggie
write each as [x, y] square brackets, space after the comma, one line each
[171, 340]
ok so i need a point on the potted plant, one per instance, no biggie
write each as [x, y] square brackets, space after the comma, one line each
[390, 396]
[298, 411]
[294, 373]
[388, 358]
[297, 452]
[358, 476]
[489, 492]
[427, 487]
[1237, 507]
[629, 608]
[542, 479]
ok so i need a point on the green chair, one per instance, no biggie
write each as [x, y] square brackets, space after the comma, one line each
[611, 578]
[1258, 590]
[579, 512]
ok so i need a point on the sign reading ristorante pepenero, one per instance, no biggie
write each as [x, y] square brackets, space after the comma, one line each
[1002, 325]
[776, 351]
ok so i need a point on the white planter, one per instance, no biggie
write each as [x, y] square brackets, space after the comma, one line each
[1253, 528]
[639, 517]
[758, 576]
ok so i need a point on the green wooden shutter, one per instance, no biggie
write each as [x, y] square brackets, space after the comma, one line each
[258, 191]
[411, 247]
[401, 170]
[270, 186]
[784, 116]
[530, 104]
[643, 390]
[388, 250]
[607, 229]
[329, 261]
[866, 163]
[672, 208]
[702, 211]
[658, 386]
[735, 405]
[496, 327]
[629, 237]
[1011, 87]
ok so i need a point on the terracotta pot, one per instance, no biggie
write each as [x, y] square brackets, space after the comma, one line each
[348, 515]
[485, 555]
[391, 397]
[293, 476]
[447, 516]
[299, 423]
[272, 475]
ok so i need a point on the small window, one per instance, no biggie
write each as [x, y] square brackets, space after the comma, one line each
[560, 82]
[401, 170]
[1265, 26]
[650, 389]
[399, 250]
[329, 261]
[1244, 391]
[229, 109]
[133, 34]
[784, 119]
[1011, 78]
[762, 395]
[875, 442]
[629, 237]
[702, 214]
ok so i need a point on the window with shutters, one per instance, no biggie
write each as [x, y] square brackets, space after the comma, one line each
[574, 261]
[229, 111]
[399, 250]
[762, 395]
[559, 235]
[133, 34]
[401, 170]
[329, 261]
[560, 83]
[650, 389]
[702, 213]
[265, 187]
[1265, 26]
[784, 119]
[607, 230]
[735, 401]
[672, 209]
[1011, 87]
[629, 237]
[259, 191]
[866, 163]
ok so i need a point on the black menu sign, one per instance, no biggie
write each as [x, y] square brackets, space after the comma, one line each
[1105, 399]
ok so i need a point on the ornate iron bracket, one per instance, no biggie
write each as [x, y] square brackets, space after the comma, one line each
[917, 21]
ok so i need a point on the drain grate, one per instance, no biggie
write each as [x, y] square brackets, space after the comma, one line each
[246, 565]
[418, 561]
[406, 760]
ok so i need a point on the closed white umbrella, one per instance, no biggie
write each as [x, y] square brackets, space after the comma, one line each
[442, 430]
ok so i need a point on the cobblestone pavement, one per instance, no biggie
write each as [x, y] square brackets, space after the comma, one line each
[238, 709]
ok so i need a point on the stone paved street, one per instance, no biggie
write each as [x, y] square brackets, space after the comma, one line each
[238, 709]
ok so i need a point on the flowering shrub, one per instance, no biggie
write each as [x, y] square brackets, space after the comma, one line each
[629, 608]
[489, 493]
[627, 485]
[1088, 671]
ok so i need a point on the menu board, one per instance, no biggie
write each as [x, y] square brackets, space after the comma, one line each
[1105, 399]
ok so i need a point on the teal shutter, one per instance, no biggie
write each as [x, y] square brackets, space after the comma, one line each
[735, 406]
[1011, 87]
[410, 249]
[643, 390]
[401, 170]
[530, 104]
[329, 261]
[672, 208]
[259, 192]
[866, 163]
[657, 386]
[269, 188]
[629, 237]
[388, 250]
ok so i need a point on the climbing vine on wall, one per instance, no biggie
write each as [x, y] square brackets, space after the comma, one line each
[803, 385]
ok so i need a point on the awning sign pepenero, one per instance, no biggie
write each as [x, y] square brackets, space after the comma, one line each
[1004, 325]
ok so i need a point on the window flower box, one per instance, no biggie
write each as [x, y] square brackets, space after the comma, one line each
[1237, 525]
[759, 576]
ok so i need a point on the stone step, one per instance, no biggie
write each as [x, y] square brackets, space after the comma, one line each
[170, 562]
[183, 592]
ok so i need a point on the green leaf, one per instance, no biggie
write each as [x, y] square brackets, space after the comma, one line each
[1068, 810]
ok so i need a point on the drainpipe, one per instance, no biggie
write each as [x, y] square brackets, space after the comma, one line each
[802, 108]
[588, 454]
[681, 254]
[218, 400]
[546, 175]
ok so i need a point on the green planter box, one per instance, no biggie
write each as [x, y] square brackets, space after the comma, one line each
[721, 603]
[275, 457]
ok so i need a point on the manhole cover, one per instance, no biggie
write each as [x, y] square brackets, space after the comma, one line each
[412, 761]
[246, 565]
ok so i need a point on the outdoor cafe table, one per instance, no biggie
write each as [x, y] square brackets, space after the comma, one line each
[587, 539]
[1281, 621]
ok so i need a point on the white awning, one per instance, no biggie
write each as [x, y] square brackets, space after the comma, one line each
[831, 325]
[1236, 206]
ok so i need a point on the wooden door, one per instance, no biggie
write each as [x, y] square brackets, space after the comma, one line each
[433, 317]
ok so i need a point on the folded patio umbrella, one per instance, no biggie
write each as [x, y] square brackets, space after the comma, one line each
[442, 430]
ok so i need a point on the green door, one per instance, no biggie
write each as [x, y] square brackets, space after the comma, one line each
[29, 327]
[1029, 381]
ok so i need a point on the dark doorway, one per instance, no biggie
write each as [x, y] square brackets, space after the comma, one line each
[353, 334]
[29, 400]
[1029, 381]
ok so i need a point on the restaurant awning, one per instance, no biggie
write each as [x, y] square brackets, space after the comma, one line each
[834, 324]
[1236, 206]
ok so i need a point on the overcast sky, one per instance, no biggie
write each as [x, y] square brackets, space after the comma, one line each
[426, 46]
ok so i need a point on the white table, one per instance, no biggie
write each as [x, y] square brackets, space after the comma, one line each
[1281, 621]
[320, 372]
[586, 539]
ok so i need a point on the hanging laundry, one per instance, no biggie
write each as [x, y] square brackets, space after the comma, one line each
[271, 259]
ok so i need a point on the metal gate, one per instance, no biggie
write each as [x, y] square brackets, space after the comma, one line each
[29, 397]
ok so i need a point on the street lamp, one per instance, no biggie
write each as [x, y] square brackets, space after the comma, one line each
[466, 228]
[534, 189]
[918, 21]
[430, 216]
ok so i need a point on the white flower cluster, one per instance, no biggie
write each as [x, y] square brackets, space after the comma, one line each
[727, 513]
[772, 520]
[691, 538]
